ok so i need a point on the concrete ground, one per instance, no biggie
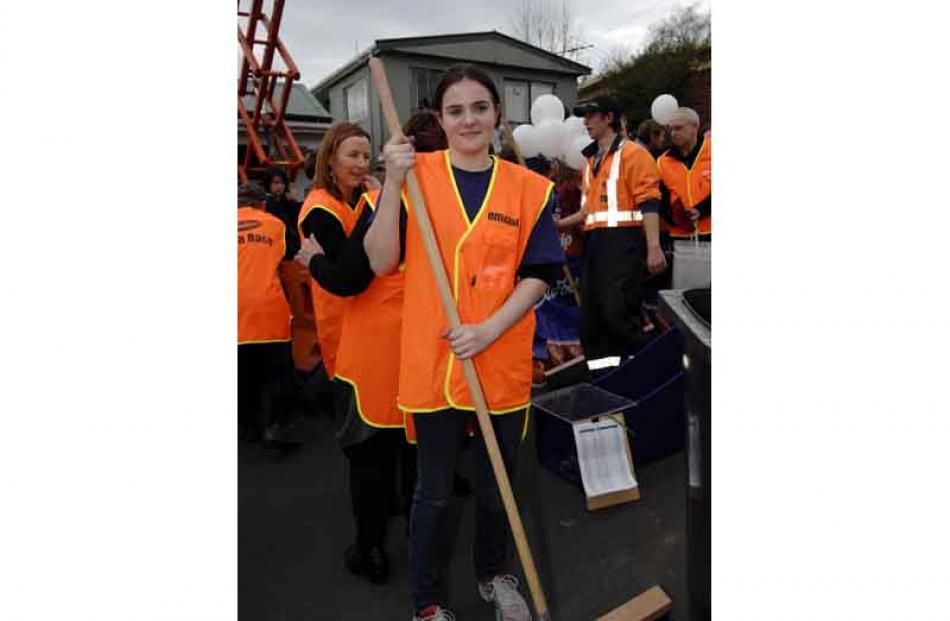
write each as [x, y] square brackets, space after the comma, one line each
[294, 522]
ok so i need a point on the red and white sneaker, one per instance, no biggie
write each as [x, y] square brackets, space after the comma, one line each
[503, 592]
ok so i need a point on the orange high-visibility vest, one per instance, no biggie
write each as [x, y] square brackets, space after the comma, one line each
[328, 309]
[263, 312]
[482, 259]
[688, 187]
[625, 179]
[368, 355]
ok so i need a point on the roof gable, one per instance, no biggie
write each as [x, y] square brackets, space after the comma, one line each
[492, 48]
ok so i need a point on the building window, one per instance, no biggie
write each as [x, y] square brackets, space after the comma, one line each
[424, 82]
[519, 95]
[516, 102]
[356, 101]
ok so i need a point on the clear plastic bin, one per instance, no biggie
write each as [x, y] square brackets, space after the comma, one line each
[554, 414]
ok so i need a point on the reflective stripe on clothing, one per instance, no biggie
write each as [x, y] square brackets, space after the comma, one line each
[612, 197]
[613, 218]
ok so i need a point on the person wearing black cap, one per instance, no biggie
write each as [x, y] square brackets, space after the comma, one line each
[621, 200]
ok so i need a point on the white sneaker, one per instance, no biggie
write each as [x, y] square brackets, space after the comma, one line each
[440, 614]
[503, 592]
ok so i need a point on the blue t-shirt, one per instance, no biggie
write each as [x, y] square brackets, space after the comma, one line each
[544, 244]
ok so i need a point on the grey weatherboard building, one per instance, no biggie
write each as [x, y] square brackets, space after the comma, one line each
[414, 66]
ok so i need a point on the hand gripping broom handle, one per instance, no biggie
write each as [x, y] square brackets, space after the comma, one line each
[468, 367]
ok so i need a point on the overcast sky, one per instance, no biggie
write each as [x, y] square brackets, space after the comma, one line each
[322, 36]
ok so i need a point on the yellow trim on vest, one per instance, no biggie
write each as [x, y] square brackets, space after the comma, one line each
[464, 408]
[303, 218]
[471, 224]
[544, 203]
[458, 195]
[701, 148]
[359, 409]
[286, 340]
[369, 201]
[689, 171]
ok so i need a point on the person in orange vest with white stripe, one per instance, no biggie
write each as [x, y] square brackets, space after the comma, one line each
[686, 175]
[264, 360]
[367, 371]
[622, 244]
[499, 246]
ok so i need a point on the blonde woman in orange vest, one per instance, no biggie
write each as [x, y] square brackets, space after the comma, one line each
[264, 361]
[498, 243]
[367, 372]
[328, 214]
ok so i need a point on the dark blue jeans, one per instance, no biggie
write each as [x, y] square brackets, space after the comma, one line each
[439, 436]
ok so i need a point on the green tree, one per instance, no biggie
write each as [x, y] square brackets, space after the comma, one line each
[675, 50]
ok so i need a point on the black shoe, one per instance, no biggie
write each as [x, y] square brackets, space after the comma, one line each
[371, 564]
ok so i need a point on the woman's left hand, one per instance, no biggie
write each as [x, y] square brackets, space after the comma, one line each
[467, 340]
[309, 248]
[371, 183]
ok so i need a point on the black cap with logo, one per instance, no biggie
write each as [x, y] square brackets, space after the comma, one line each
[603, 103]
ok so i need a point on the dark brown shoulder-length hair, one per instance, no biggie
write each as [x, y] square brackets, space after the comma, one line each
[317, 166]
[424, 127]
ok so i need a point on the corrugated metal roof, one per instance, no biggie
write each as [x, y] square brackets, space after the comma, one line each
[302, 103]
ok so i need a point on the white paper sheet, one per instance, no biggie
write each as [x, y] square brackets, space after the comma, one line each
[602, 457]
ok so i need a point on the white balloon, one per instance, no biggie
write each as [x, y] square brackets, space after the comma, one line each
[573, 156]
[526, 137]
[663, 108]
[546, 108]
[552, 136]
[575, 126]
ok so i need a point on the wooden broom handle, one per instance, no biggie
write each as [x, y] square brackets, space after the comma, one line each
[468, 367]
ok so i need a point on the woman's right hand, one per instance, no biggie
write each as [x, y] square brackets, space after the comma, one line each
[399, 156]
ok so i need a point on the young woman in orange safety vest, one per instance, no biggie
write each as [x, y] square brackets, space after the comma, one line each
[498, 243]
[367, 371]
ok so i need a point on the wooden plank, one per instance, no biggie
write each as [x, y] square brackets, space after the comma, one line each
[647, 606]
[616, 498]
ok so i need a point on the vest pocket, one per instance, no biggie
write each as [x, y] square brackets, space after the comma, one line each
[486, 279]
